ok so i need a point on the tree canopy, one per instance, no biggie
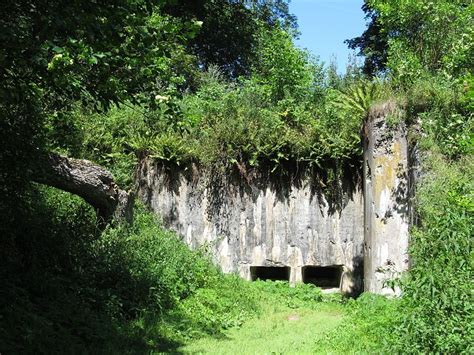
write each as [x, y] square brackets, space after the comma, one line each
[54, 54]
[230, 29]
[411, 36]
[58, 54]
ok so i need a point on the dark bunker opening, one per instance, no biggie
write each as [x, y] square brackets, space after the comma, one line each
[323, 276]
[274, 273]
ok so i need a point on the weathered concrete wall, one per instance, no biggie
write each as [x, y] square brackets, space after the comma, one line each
[386, 200]
[261, 224]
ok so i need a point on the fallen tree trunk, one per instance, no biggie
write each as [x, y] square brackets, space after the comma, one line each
[90, 181]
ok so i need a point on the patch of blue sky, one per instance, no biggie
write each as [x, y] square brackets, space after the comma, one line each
[326, 24]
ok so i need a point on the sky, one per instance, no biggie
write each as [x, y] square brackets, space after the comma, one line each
[325, 24]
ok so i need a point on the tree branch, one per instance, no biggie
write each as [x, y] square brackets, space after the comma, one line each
[90, 181]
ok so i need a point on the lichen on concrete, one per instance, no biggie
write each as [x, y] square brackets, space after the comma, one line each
[386, 202]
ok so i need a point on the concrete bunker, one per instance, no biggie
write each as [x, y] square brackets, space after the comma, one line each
[273, 273]
[322, 276]
[352, 235]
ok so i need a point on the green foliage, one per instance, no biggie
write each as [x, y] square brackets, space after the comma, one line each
[244, 126]
[373, 43]
[228, 37]
[281, 293]
[359, 97]
[442, 107]
[103, 58]
[285, 69]
[223, 125]
[157, 260]
[44, 297]
[227, 303]
[129, 289]
[278, 329]
[250, 125]
[230, 302]
[428, 46]
[369, 320]
[70, 288]
[55, 55]
[111, 139]
[437, 305]
[434, 36]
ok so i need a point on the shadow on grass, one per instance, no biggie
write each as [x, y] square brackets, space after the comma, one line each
[62, 323]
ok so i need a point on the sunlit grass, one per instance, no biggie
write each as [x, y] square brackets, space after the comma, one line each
[279, 330]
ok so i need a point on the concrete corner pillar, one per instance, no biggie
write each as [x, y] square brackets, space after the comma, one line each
[386, 212]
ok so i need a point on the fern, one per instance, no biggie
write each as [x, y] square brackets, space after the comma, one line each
[359, 98]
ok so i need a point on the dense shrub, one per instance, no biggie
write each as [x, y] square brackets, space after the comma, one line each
[298, 296]
[287, 71]
[69, 287]
[442, 109]
[436, 309]
[424, 35]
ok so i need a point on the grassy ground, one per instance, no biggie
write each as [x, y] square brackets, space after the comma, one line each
[278, 331]
[290, 323]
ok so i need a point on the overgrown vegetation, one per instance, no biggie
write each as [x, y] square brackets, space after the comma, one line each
[128, 289]
[129, 79]
[368, 319]
[428, 65]
[298, 114]
[292, 320]
[437, 305]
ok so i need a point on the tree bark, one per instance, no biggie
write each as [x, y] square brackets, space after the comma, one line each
[90, 181]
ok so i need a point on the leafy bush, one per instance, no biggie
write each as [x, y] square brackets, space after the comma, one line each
[224, 124]
[437, 305]
[286, 70]
[359, 97]
[210, 310]
[69, 287]
[442, 108]
[162, 268]
[424, 35]
[428, 68]
[110, 139]
[366, 328]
